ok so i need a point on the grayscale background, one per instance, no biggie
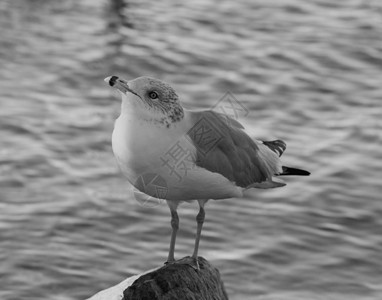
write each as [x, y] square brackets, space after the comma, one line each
[309, 72]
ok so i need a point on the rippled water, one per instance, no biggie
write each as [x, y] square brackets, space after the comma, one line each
[309, 72]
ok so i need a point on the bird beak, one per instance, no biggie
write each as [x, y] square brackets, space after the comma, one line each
[120, 85]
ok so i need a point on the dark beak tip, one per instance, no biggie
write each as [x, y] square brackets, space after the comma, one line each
[111, 80]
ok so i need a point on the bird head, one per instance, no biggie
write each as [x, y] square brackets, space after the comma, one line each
[149, 98]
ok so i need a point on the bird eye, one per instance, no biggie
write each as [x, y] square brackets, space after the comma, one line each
[153, 95]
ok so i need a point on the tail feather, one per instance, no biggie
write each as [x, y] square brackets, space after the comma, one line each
[277, 146]
[293, 171]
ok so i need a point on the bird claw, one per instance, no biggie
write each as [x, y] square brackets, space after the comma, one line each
[169, 262]
[193, 262]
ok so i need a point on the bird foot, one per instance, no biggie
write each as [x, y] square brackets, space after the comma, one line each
[169, 262]
[188, 260]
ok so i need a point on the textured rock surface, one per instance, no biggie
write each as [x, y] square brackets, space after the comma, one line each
[178, 281]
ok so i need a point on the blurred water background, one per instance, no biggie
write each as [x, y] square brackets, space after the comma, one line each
[309, 72]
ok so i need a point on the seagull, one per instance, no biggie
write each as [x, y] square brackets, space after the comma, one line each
[178, 155]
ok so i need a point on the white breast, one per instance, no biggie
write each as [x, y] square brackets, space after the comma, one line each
[139, 145]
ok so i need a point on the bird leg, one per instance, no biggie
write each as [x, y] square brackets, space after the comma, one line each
[175, 227]
[199, 220]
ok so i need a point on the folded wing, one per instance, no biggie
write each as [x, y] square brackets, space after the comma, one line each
[223, 147]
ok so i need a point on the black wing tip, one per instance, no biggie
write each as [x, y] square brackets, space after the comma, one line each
[277, 146]
[294, 171]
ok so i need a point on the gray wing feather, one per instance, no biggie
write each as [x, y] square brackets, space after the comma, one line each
[223, 147]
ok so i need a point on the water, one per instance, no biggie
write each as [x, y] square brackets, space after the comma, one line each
[308, 72]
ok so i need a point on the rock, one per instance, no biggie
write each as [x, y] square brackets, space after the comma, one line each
[170, 282]
[116, 292]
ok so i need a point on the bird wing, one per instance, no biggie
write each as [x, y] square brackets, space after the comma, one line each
[223, 147]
